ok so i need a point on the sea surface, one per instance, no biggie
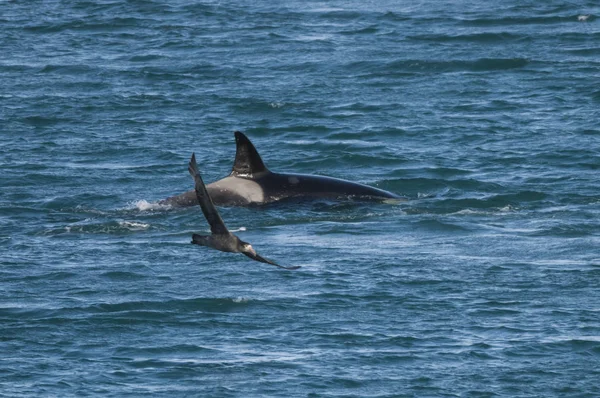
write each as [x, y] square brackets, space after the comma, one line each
[485, 115]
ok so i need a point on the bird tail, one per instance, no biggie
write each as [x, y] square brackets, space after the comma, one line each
[201, 240]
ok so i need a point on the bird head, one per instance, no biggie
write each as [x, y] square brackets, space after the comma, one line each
[247, 248]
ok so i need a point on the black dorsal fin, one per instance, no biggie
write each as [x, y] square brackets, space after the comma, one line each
[247, 160]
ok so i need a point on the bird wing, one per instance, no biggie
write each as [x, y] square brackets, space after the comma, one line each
[217, 226]
[257, 257]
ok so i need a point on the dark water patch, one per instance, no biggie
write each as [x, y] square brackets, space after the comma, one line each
[511, 20]
[54, 276]
[413, 187]
[593, 52]
[595, 97]
[146, 58]
[499, 37]
[370, 68]
[491, 202]
[69, 69]
[294, 134]
[123, 276]
[32, 67]
[579, 345]
[367, 134]
[494, 312]
[438, 225]
[164, 350]
[340, 14]
[568, 156]
[348, 154]
[573, 230]
[305, 66]
[215, 305]
[583, 36]
[88, 25]
[21, 212]
[522, 197]
[29, 312]
[451, 172]
[353, 108]
[366, 30]
[44, 121]
[74, 201]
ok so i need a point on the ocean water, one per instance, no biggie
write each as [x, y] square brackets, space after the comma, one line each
[485, 283]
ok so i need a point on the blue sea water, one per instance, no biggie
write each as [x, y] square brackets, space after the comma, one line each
[485, 283]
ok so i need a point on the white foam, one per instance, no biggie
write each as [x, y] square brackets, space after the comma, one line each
[134, 226]
[505, 209]
[144, 205]
[241, 300]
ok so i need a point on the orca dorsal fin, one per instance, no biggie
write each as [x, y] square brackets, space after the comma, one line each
[247, 160]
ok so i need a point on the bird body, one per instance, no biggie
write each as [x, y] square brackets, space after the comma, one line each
[220, 237]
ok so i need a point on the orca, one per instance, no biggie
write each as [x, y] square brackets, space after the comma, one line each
[252, 183]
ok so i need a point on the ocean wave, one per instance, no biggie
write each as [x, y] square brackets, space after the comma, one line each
[572, 230]
[91, 226]
[485, 37]
[512, 20]
[204, 304]
[371, 68]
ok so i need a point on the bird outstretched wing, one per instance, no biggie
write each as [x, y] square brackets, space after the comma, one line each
[217, 226]
[257, 257]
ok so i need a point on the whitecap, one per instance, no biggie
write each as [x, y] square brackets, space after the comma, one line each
[241, 300]
[134, 226]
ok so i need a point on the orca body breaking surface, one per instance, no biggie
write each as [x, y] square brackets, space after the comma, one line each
[251, 183]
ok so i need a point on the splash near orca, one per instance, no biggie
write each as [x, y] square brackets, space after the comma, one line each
[252, 183]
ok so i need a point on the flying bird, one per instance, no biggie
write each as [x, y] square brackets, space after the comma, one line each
[220, 237]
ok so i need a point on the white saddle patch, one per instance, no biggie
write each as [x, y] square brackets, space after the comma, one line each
[247, 189]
